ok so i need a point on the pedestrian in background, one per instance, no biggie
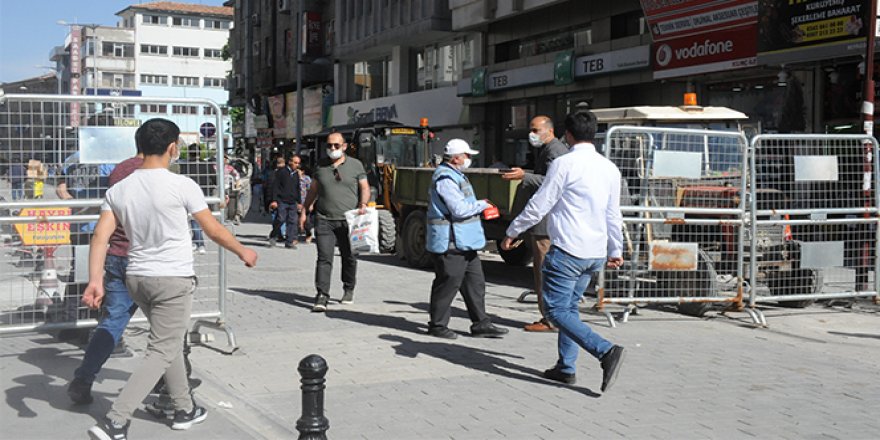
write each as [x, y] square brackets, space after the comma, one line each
[152, 205]
[339, 185]
[287, 202]
[454, 235]
[581, 198]
[548, 147]
[305, 182]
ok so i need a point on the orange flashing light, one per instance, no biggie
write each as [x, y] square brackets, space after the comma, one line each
[423, 122]
[690, 98]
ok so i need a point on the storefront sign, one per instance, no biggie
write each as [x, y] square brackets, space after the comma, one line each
[75, 72]
[45, 232]
[524, 76]
[311, 34]
[441, 106]
[672, 19]
[562, 68]
[615, 61]
[804, 31]
[276, 109]
[722, 50]
[250, 123]
[478, 82]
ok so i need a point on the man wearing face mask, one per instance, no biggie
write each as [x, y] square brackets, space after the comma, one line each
[454, 235]
[339, 185]
[541, 137]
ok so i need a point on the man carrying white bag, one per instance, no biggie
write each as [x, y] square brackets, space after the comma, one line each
[363, 231]
[339, 185]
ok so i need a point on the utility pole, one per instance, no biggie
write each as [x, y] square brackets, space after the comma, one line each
[299, 72]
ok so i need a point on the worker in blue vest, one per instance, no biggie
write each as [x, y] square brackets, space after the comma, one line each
[454, 235]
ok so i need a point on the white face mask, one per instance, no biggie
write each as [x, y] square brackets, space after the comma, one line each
[535, 140]
[334, 154]
[467, 164]
[176, 156]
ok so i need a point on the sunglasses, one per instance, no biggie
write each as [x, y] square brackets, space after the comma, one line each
[335, 146]
[336, 175]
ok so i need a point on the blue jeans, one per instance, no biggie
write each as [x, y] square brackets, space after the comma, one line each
[117, 309]
[565, 279]
[198, 235]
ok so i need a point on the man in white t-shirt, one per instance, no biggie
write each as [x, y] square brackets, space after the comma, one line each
[153, 205]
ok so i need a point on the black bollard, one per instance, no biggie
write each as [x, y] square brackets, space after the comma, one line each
[312, 425]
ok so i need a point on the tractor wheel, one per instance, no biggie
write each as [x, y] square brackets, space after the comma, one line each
[387, 232]
[794, 282]
[413, 240]
[518, 256]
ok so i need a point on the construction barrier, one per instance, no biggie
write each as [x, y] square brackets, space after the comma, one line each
[813, 219]
[684, 217]
[57, 153]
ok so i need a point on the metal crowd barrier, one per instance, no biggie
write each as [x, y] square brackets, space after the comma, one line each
[814, 219]
[53, 147]
[684, 216]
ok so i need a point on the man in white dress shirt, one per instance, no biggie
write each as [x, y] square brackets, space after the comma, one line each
[581, 198]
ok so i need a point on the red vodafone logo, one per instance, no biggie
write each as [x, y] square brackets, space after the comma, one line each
[663, 55]
[722, 46]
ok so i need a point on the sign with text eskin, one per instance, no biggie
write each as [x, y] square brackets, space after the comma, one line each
[791, 31]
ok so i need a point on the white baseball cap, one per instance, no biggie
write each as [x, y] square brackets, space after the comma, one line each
[458, 146]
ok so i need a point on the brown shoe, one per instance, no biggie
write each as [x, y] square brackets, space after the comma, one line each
[539, 326]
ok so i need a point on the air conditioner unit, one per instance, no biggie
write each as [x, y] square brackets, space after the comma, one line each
[284, 6]
[255, 20]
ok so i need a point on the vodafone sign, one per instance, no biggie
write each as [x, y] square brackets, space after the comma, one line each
[728, 49]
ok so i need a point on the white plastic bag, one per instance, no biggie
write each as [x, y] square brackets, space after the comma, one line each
[363, 231]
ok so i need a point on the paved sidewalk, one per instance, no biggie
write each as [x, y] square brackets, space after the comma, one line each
[812, 374]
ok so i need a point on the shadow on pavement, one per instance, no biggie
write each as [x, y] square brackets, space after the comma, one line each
[490, 362]
[294, 299]
[458, 312]
[51, 384]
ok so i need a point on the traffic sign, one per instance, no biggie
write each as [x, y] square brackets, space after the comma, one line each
[207, 130]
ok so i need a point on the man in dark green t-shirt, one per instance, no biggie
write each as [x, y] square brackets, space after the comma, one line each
[338, 185]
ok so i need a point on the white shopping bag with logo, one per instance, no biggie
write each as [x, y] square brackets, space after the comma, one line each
[363, 231]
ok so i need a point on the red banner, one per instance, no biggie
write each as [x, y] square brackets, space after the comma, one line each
[728, 49]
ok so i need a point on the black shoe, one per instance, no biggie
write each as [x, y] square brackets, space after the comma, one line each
[442, 332]
[320, 304]
[108, 430]
[80, 391]
[556, 374]
[185, 420]
[162, 409]
[611, 363]
[488, 331]
[290, 246]
[347, 297]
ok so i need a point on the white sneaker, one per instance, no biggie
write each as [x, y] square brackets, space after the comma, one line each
[202, 250]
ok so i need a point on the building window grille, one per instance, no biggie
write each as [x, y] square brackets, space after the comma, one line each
[154, 108]
[185, 81]
[153, 49]
[191, 52]
[161, 80]
[155, 19]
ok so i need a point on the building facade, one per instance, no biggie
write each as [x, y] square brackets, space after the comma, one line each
[178, 53]
[481, 69]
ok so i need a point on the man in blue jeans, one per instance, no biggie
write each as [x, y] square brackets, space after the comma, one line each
[117, 308]
[581, 198]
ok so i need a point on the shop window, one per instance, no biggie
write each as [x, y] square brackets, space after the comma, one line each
[627, 24]
[371, 79]
[443, 65]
